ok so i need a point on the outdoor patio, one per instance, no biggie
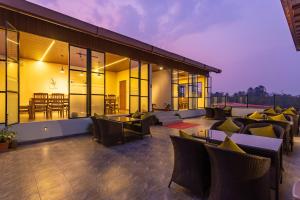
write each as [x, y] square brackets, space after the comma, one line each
[79, 168]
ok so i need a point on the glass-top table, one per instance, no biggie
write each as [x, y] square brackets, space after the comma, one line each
[123, 119]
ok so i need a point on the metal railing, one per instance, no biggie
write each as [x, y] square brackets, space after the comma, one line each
[250, 101]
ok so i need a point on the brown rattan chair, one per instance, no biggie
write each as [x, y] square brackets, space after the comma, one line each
[238, 176]
[209, 113]
[111, 132]
[279, 131]
[245, 121]
[217, 124]
[191, 165]
[219, 114]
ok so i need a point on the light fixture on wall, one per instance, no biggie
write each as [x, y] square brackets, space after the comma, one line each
[161, 68]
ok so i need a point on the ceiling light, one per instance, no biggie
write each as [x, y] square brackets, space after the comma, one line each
[161, 68]
[118, 61]
[47, 50]
[12, 41]
[62, 70]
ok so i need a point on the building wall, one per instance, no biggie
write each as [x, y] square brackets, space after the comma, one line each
[161, 88]
[51, 129]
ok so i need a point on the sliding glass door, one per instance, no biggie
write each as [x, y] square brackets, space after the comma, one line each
[97, 83]
[134, 86]
[77, 82]
[144, 92]
[9, 75]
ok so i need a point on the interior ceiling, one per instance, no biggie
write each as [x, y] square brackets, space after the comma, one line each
[33, 47]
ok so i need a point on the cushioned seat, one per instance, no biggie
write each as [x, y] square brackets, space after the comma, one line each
[216, 125]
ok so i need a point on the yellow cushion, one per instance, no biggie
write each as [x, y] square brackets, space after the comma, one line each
[278, 108]
[228, 126]
[185, 135]
[256, 115]
[279, 117]
[289, 112]
[228, 144]
[266, 131]
[270, 111]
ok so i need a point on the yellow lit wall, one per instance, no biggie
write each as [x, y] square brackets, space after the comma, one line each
[112, 83]
[38, 76]
[161, 88]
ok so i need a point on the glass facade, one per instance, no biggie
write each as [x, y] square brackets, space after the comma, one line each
[188, 90]
[61, 81]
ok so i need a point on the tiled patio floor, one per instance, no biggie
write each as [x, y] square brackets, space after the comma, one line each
[79, 168]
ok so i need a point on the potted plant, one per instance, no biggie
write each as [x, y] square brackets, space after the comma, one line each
[6, 138]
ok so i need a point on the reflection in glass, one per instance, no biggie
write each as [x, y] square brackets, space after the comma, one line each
[78, 58]
[134, 68]
[144, 88]
[12, 76]
[78, 82]
[2, 107]
[12, 108]
[2, 76]
[97, 62]
[2, 45]
[77, 106]
[144, 71]
[144, 104]
[134, 104]
[175, 103]
[12, 46]
[134, 86]
[97, 83]
[97, 104]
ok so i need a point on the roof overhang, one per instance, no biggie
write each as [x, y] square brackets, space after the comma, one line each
[292, 12]
[31, 10]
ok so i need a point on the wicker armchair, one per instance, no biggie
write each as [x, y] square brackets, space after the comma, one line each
[209, 113]
[217, 124]
[96, 129]
[237, 176]
[142, 127]
[279, 131]
[111, 131]
[245, 121]
[219, 114]
[191, 165]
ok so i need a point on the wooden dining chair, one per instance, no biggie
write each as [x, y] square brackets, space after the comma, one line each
[40, 103]
[56, 103]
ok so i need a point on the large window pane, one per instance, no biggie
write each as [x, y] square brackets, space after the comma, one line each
[12, 108]
[12, 45]
[97, 62]
[98, 104]
[134, 86]
[2, 76]
[175, 90]
[134, 68]
[144, 71]
[77, 106]
[2, 45]
[144, 88]
[78, 58]
[134, 104]
[78, 82]
[175, 103]
[97, 83]
[144, 104]
[2, 107]
[12, 76]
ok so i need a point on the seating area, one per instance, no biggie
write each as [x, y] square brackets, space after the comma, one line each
[140, 169]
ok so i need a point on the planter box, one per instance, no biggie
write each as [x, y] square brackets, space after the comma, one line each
[4, 147]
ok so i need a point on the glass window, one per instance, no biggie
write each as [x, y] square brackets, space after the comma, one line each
[144, 71]
[77, 106]
[78, 58]
[144, 88]
[12, 46]
[12, 108]
[134, 69]
[144, 104]
[134, 104]
[2, 107]
[97, 62]
[134, 86]
[2, 45]
[78, 82]
[97, 83]
[12, 76]
[2, 76]
[97, 104]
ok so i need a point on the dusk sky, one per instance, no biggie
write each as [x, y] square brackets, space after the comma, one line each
[249, 40]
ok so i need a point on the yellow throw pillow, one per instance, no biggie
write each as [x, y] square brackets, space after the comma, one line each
[266, 131]
[256, 115]
[185, 135]
[228, 126]
[288, 112]
[228, 144]
[279, 117]
[278, 109]
[270, 111]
